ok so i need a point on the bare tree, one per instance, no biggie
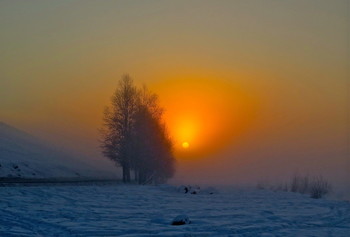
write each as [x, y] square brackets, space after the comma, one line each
[118, 123]
[299, 184]
[134, 136]
[154, 161]
[319, 187]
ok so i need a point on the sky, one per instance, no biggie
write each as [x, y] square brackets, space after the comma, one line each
[259, 89]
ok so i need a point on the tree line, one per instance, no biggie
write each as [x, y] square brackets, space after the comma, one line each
[134, 135]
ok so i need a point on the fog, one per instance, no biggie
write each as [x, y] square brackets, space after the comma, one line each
[299, 128]
[61, 61]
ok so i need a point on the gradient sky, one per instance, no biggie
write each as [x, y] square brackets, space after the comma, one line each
[287, 60]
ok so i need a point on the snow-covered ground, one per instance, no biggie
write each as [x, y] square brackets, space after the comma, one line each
[130, 210]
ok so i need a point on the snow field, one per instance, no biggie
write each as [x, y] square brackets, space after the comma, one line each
[130, 210]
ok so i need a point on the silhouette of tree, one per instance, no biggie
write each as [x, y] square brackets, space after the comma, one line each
[118, 123]
[135, 137]
[154, 161]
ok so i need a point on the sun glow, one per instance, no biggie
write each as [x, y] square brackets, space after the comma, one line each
[185, 145]
[206, 113]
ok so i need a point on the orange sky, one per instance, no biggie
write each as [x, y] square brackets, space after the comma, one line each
[256, 88]
[207, 113]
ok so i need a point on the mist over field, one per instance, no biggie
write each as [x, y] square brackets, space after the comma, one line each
[284, 64]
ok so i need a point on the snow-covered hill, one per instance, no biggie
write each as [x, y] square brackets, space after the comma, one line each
[24, 156]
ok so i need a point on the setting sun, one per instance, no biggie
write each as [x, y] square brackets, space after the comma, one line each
[185, 145]
[210, 112]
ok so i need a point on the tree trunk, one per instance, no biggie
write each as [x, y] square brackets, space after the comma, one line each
[124, 174]
[136, 178]
[140, 177]
[127, 174]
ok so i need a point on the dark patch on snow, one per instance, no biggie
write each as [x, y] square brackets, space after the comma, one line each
[181, 220]
[209, 190]
[183, 189]
[189, 189]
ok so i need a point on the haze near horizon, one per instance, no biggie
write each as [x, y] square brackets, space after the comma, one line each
[258, 90]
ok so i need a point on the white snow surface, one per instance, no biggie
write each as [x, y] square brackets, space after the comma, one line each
[131, 210]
